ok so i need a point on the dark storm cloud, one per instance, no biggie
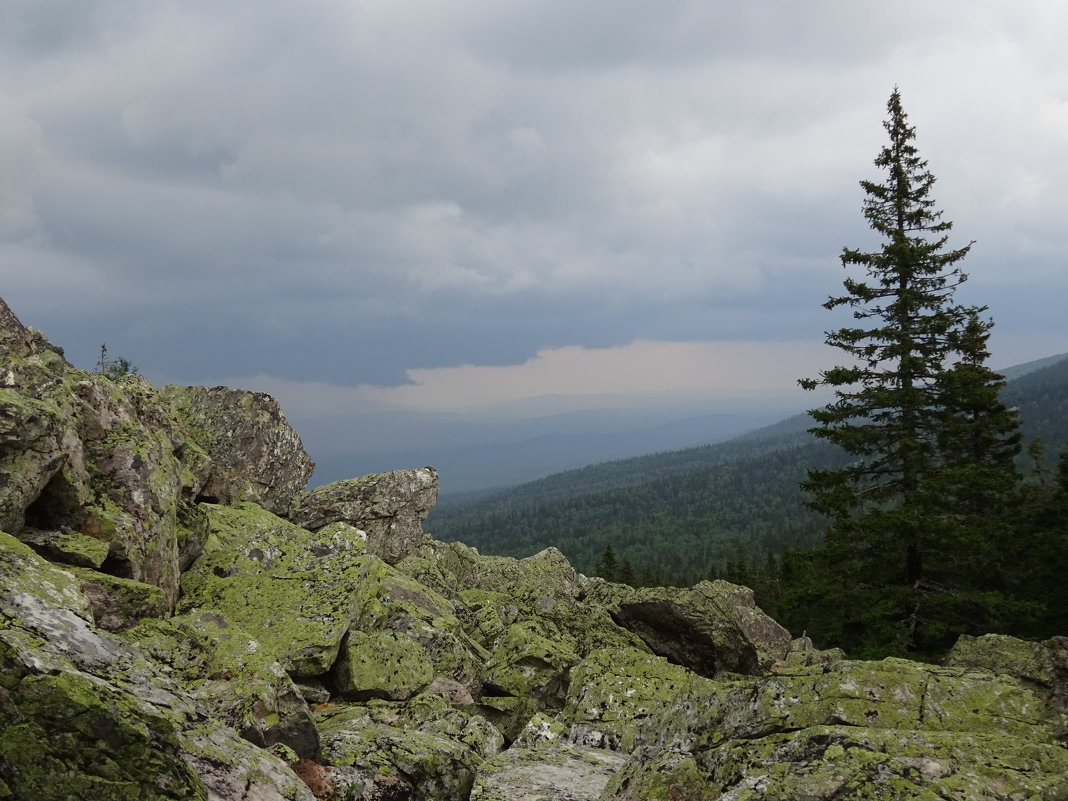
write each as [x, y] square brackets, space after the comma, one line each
[342, 192]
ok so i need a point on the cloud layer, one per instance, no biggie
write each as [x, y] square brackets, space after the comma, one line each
[475, 199]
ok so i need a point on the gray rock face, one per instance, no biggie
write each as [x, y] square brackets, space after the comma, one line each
[389, 507]
[553, 770]
[255, 455]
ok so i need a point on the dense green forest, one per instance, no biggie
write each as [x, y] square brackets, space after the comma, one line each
[714, 510]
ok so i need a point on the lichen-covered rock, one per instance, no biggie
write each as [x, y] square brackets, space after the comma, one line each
[1042, 666]
[381, 664]
[397, 604]
[390, 507]
[804, 653]
[86, 714]
[853, 730]
[232, 769]
[84, 457]
[66, 546]
[425, 749]
[255, 455]
[527, 664]
[117, 603]
[491, 593]
[66, 735]
[614, 691]
[231, 677]
[293, 591]
[33, 414]
[537, 583]
[551, 770]
[710, 628]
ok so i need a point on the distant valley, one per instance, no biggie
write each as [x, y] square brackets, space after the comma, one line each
[686, 513]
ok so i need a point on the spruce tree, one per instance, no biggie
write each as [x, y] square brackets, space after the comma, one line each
[608, 567]
[918, 408]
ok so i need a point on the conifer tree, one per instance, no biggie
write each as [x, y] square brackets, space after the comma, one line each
[919, 409]
[608, 567]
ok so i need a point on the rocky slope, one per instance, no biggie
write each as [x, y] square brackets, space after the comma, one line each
[180, 620]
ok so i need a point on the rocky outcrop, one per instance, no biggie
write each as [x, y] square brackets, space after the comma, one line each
[890, 729]
[254, 454]
[86, 714]
[389, 507]
[179, 621]
[709, 628]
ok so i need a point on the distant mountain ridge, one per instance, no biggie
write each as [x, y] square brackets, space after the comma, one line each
[502, 453]
[687, 512]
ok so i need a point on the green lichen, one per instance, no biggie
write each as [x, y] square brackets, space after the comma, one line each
[381, 664]
[435, 747]
[23, 571]
[69, 736]
[293, 591]
[526, 664]
[614, 692]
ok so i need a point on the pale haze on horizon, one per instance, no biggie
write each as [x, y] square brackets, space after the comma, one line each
[441, 207]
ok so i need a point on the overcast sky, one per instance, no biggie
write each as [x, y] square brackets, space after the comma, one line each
[435, 205]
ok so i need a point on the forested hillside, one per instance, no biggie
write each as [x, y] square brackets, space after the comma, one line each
[684, 515]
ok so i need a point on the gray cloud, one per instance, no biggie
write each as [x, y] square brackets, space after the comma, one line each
[342, 192]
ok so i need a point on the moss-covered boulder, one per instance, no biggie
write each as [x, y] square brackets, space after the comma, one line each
[33, 417]
[525, 664]
[293, 591]
[66, 546]
[87, 714]
[92, 470]
[67, 735]
[491, 593]
[425, 749]
[390, 507]
[117, 603]
[255, 455]
[381, 664]
[710, 628]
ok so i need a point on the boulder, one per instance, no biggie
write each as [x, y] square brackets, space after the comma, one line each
[231, 677]
[710, 628]
[424, 750]
[35, 415]
[254, 454]
[381, 664]
[116, 603]
[614, 691]
[389, 507]
[85, 714]
[294, 591]
[84, 458]
[395, 604]
[1042, 666]
[551, 770]
[892, 729]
